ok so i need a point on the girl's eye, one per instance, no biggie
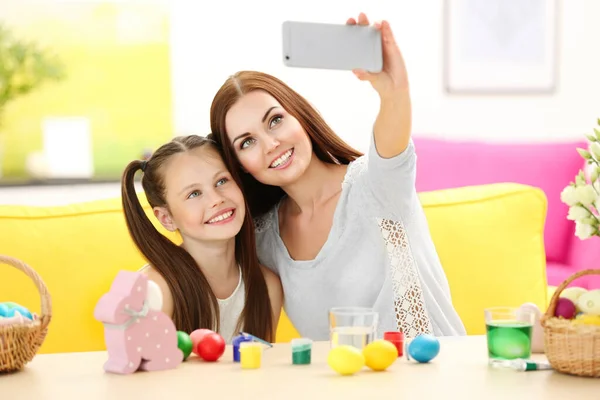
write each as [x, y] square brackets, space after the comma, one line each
[246, 142]
[222, 181]
[195, 193]
[276, 120]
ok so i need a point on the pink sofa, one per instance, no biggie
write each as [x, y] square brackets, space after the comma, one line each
[443, 164]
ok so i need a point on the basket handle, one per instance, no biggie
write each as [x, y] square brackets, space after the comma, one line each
[46, 313]
[554, 301]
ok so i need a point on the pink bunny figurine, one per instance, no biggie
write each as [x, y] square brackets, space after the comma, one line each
[136, 335]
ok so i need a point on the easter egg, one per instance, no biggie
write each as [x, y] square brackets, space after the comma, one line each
[565, 308]
[380, 354]
[589, 302]
[184, 342]
[197, 335]
[509, 342]
[573, 293]
[211, 346]
[345, 360]
[4, 310]
[584, 319]
[10, 308]
[423, 348]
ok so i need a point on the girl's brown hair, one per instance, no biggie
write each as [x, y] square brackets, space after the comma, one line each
[194, 304]
[327, 146]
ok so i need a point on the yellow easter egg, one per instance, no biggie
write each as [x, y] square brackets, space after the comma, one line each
[584, 319]
[345, 360]
[380, 354]
[589, 303]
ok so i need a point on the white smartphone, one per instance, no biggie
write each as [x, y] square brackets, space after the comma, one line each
[331, 46]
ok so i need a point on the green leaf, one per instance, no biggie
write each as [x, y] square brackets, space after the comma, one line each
[594, 174]
[584, 153]
[592, 138]
[597, 132]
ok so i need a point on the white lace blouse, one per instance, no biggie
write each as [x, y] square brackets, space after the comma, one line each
[379, 253]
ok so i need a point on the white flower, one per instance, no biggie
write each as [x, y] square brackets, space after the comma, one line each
[584, 231]
[586, 195]
[577, 213]
[569, 196]
[595, 150]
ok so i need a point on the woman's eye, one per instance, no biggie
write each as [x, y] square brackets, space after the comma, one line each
[195, 193]
[276, 120]
[222, 181]
[246, 143]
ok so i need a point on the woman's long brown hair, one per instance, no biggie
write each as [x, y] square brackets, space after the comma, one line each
[194, 304]
[327, 146]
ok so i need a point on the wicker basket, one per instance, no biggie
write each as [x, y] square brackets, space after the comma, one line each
[20, 342]
[571, 348]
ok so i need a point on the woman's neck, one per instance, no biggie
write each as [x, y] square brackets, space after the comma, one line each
[320, 182]
[215, 259]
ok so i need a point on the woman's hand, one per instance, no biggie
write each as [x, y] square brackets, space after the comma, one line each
[393, 77]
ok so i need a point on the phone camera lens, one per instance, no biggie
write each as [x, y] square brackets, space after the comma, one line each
[287, 57]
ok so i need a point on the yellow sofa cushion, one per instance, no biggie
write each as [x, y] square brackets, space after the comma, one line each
[489, 238]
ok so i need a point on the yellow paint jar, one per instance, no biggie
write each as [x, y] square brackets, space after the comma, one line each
[250, 355]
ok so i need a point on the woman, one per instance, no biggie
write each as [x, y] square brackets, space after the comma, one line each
[339, 228]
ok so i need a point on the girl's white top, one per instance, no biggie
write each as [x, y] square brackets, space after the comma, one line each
[230, 310]
[379, 254]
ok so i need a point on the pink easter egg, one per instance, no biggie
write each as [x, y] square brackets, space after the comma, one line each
[565, 309]
[197, 335]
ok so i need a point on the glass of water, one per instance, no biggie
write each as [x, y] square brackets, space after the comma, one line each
[354, 326]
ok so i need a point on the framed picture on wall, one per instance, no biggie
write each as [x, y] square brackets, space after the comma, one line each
[500, 46]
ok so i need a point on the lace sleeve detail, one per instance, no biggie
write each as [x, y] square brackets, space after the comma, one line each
[355, 170]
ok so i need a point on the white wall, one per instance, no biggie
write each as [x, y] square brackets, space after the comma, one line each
[211, 40]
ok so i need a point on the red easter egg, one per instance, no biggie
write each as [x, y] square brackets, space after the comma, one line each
[197, 335]
[565, 309]
[211, 347]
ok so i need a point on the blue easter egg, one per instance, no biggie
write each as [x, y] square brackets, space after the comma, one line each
[423, 348]
[4, 310]
[8, 310]
[24, 312]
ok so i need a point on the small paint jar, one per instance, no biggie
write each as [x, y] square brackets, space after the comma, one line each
[250, 355]
[301, 351]
[236, 345]
[397, 339]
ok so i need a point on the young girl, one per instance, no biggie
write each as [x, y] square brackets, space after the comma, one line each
[213, 279]
[340, 229]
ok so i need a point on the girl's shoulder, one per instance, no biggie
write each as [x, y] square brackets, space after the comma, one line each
[157, 278]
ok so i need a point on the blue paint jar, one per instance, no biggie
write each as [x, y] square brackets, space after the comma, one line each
[236, 345]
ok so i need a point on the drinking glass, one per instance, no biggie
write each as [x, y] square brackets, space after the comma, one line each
[509, 333]
[354, 326]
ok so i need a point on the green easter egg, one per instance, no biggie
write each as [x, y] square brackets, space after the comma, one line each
[509, 343]
[184, 342]
[10, 305]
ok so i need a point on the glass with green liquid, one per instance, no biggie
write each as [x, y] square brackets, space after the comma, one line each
[509, 332]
